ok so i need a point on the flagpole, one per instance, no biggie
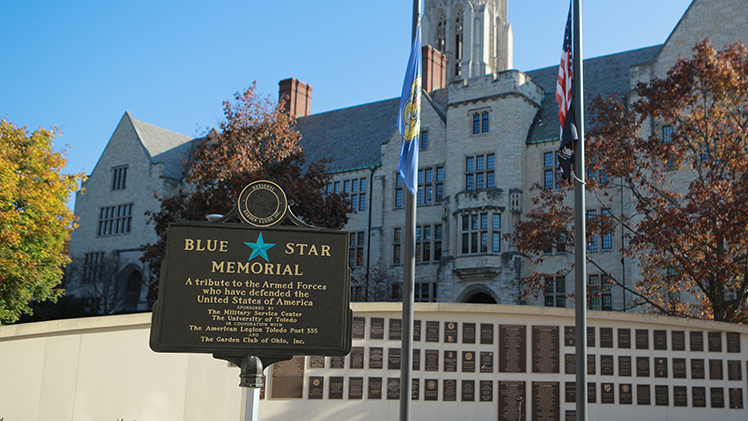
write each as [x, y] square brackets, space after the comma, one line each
[409, 274]
[580, 246]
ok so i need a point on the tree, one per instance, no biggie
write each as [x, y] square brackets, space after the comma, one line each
[255, 142]
[34, 221]
[680, 194]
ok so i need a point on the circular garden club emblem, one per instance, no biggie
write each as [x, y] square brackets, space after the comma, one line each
[262, 203]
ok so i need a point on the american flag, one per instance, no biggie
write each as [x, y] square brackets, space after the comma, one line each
[565, 108]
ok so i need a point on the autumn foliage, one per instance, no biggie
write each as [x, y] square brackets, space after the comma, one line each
[34, 220]
[256, 141]
[678, 195]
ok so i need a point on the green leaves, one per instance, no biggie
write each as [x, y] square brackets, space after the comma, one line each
[34, 221]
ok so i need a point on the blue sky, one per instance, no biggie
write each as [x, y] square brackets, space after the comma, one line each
[80, 65]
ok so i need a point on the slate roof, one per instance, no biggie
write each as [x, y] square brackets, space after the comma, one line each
[351, 137]
[605, 76]
[164, 146]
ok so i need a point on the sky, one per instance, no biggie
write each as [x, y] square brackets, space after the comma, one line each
[80, 64]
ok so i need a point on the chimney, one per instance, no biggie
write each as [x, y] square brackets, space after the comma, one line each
[434, 68]
[297, 96]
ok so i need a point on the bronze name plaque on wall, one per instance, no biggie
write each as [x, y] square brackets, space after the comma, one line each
[240, 290]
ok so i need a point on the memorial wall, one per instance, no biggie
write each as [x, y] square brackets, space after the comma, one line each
[487, 362]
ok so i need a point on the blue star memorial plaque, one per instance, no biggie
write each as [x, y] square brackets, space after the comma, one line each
[257, 282]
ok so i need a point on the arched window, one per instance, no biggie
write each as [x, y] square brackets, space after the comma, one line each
[132, 290]
[441, 32]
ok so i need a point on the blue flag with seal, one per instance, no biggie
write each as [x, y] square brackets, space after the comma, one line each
[409, 117]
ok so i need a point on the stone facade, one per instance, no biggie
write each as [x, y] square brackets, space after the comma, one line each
[488, 135]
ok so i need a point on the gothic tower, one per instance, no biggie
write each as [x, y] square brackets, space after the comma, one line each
[474, 35]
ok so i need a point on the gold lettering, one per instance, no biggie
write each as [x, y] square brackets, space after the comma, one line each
[289, 248]
[188, 244]
[325, 250]
[224, 247]
[217, 266]
[313, 250]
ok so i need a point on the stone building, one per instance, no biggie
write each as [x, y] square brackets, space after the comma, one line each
[489, 133]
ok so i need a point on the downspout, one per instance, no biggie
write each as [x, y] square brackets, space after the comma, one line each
[368, 232]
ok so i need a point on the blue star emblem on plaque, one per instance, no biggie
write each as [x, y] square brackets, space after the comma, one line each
[260, 248]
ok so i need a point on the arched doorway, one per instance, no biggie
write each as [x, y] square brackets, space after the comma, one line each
[132, 290]
[478, 294]
[480, 298]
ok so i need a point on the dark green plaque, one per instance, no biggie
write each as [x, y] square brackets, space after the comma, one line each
[512, 346]
[355, 388]
[396, 330]
[734, 373]
[417, 330]
[450, 361]
[356, 358]
[733, 342]
[591, 336]
[431, 390]
[642, 366]
[450, 332]
[337, 362]
[468, 361]
[545, 349]
[432, 331]
[679, 368]
[715, 370]
[570, 363]
[316, 387]
[336, 388]
[624, 338]
[697, 368]
[359, 327]
[625, 394]
[432, 360]
[607, 393]
[235, 290]
[569, 337]
[698, 396]
[662, 395]
[416, 359]
[376, 357]
[660, 340]
[717, 397]
[570, 392]
[486, 390]
[606, 365]
[415, 388]
[486, 362]
[591, 368]
[642, 339]
[512, 400]
[660, 367]
[449, 390]
[377, 328]
[486, 334]
[678, 340]
[715, 341]
[375, 388]
[316, 362]
[606, 337]
[546, 405]
[393, 388]
[680, 396]
[394, 359]
[591, 392]
[624, 366]
[643, 394]
[468, 333]
[468, 391]
[736, 398]
[697, 341]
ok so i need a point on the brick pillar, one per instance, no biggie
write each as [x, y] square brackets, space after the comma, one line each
[296, 96]
[434, 68]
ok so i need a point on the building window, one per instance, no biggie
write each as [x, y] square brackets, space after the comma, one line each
[480, 122]
[355, 190]
[119, 178]
[479, 172]
[114, 220]
[429, 243]
[93, 267]
[424, 139]
[441, 32]
[555, 291]
[397, 246]
[458, 34]
[430, 186]
[592, 240]
[600, 291]
[607, 239]
[398, 191]
[551, 172]
[477, 231]
[667, 137]
[357, 293]
[356, 249]
[425, 292]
